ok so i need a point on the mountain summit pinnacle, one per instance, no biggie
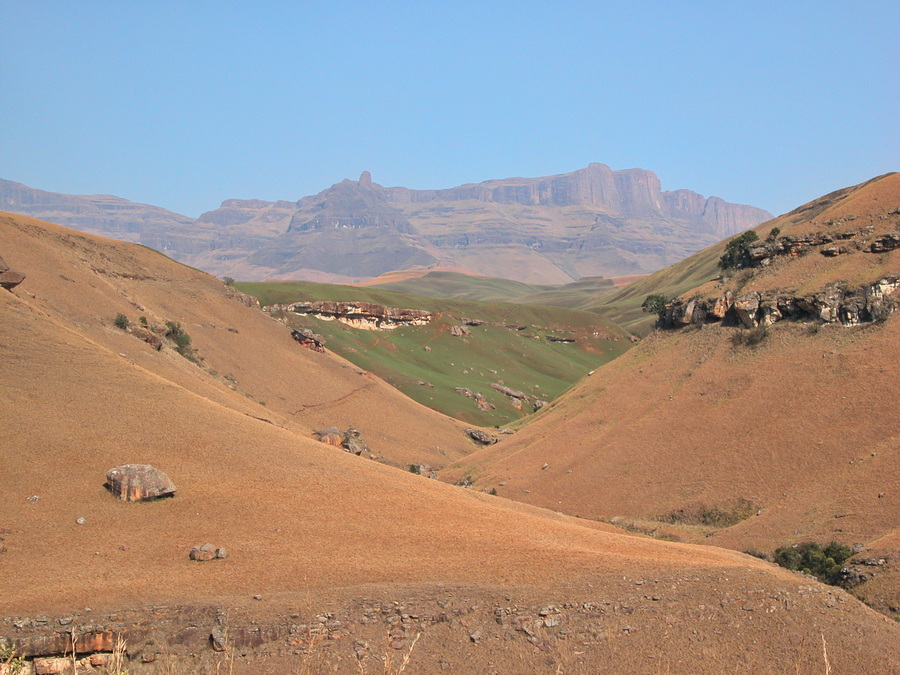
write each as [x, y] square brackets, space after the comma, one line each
[365, 179]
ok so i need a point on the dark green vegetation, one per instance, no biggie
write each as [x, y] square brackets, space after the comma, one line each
[121, 321]
[724, 515]
[181, 339]
[810, 558]
[654, 304]
[428, 364]
[737, 251]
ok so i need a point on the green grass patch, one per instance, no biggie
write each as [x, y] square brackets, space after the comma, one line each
[494, 351]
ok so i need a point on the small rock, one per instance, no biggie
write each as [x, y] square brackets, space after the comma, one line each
[52, 665]
[80, 521]
[203, 553]
[221, 553]
[99, 660]
[32, 499]
[476, 636]
[218, 638]
[257, 597]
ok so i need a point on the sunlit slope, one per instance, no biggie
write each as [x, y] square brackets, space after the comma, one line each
[306, 524]
[247, 361]
[513, 345]
[625, 307]
[797, 436]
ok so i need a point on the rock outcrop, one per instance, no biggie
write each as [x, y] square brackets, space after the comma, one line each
[9, 279]
[308, 339]
[350, 440]
[365, 315]
[834, 304]
[481, 437]
[138, 482]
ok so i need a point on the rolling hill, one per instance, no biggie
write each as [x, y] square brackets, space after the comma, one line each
[334, 562]
[769, 428]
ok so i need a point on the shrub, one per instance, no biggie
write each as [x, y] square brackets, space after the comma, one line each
[774, 232]
[713, 516]
[654, 304]
[750, 337]
[229, 281]
[737, 252]
[414, 468]
[182, 340]
[810, 558]
[121, 321]
[143, 321]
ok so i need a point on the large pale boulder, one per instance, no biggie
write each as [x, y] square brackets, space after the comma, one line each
[137, 482]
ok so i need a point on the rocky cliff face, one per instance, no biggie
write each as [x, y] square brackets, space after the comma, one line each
[554, 229]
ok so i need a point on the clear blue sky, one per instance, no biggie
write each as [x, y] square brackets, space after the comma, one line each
[184, 104]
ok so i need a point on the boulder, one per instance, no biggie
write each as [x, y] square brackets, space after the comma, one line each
[52, 665]
[330, 436]
[459, 331]
[746, 308]
[138, 482]
[203, 553]
[481, 437]
[11, 278]
[722, 305]
[309, 340]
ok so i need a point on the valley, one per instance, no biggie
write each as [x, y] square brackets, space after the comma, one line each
[619, 525]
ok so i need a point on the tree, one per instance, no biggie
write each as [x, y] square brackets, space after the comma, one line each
[737, 252]
[654, 304]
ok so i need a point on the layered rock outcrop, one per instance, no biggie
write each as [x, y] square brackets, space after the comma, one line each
[836, 303]
[365, 315]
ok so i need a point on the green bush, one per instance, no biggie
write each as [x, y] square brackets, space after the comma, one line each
[810, 558]
[654, 304]
[182, 340]
[737, 252]
[121, 321]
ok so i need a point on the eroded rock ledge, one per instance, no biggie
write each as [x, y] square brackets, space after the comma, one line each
[836, 303]
[365, 315]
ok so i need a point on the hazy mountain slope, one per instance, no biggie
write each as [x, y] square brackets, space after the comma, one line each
[803, 425]
[555, 229]
[311, 529]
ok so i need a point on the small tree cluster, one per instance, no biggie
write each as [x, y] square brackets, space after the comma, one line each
[737, 252]
[655, 304]
[810, 558]
[121, 321]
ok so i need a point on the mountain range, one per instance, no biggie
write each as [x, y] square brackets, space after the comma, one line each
[549, 230]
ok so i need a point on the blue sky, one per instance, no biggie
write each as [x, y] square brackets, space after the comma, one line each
[185, 104]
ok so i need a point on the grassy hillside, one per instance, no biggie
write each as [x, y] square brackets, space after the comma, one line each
[624, 307]
[510, 348]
